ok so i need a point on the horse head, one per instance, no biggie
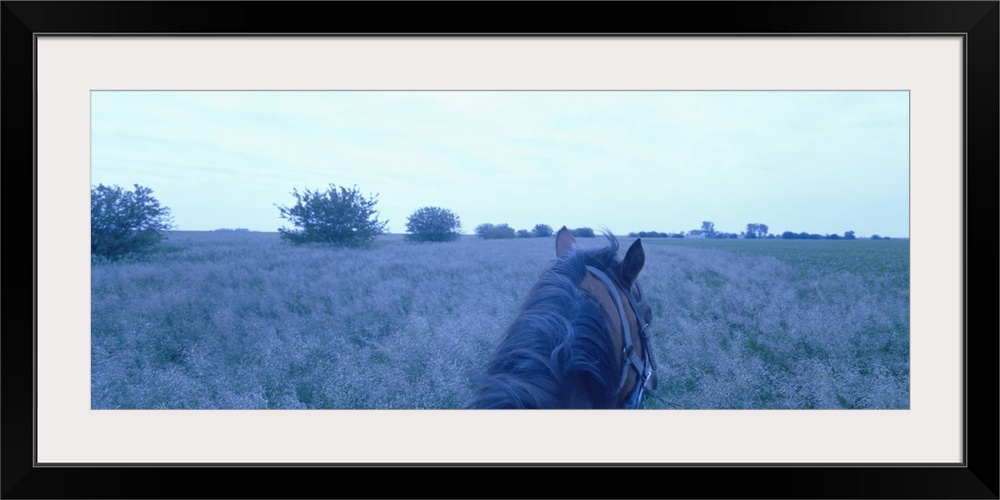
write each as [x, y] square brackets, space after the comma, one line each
[619, 294]
[580, 338]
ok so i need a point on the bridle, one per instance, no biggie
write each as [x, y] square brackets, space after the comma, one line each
[645, 365]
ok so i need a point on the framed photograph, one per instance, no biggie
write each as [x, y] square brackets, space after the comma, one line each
[884, 114]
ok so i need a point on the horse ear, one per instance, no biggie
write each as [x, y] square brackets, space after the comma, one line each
[635, 258]
[565, 242]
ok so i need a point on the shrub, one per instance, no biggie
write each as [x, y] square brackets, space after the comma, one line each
[582, 232]
[654, 234]
[523, 233]
[124, 222]
[433, 224]
[542, 231]
[495, 231]
[340, 217]
[484, 229]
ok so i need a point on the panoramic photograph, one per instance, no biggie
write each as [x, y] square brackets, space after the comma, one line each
[410, 250]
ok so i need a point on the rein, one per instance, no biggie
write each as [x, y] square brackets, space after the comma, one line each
[644, 366]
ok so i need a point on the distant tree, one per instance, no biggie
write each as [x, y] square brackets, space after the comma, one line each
[483, 230]
[788, 235]
[433, 224]
[340, 217]
[708, 227]
[876, 237]
[650, 234]
[523, 233]
[542, 231]
[756, 230]
[502, 231]
[849, 235]
[582, 232]
[495, 231]
[124, 222]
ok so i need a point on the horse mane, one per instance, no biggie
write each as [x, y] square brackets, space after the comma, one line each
[557, 352]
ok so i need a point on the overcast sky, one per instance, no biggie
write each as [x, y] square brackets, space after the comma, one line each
[820, 162]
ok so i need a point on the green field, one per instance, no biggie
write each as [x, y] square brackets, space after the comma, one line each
[241, 320]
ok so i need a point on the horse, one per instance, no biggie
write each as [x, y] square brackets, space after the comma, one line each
[580, 339]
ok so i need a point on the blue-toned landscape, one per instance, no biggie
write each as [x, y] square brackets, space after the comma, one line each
[241, 320]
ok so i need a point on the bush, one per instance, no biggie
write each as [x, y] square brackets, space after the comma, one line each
[582, 232]
[484, 229]
[124, 222]
[523, 233]
[433, 224]
[542, 231]
[495, 231]
[654, 234]
[342, 218]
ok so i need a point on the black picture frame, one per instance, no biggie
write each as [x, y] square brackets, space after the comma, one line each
[976, 21]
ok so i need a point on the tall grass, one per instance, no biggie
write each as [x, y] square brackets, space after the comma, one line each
[776, 324]
[241, 320]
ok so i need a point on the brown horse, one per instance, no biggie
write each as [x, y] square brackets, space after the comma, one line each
[580, 339]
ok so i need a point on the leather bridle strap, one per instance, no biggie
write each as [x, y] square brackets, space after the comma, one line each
[628, 350]
[644, 331]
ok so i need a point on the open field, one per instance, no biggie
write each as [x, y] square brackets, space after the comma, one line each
[241, 320]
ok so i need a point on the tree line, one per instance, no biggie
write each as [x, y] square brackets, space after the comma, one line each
[491, 231]
[754, 230]
[125, 222]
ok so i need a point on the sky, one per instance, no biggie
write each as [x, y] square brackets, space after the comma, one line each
[627, 161]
